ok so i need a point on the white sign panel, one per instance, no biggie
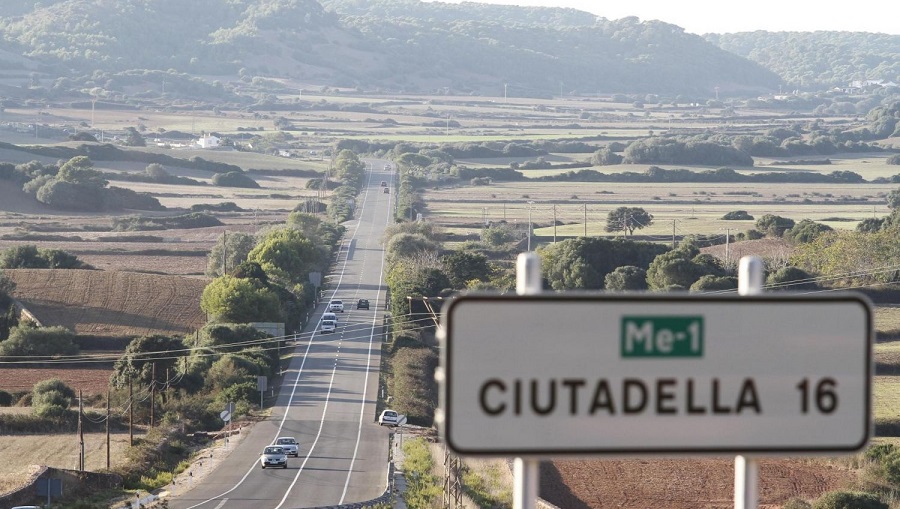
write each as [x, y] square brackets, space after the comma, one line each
[656, 374]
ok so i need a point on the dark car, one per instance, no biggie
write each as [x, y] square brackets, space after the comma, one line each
[362, 304]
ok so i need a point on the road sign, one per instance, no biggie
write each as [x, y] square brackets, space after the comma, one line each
[656, 374]
[225, 415]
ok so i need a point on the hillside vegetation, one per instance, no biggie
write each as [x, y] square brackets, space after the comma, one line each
[397, 45]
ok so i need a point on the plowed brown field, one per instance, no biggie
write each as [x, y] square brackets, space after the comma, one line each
[683, 483]
[111, 303]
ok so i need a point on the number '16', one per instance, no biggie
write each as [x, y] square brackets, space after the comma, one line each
[821, 393]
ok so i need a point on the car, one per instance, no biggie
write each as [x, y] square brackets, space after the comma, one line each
[389, 418]
[327, 326]
[336, 305]
[273, 456]
[387, 167]
[384, 183]
[290, 445]
[329, 316]
[386, 190]
[362, 304]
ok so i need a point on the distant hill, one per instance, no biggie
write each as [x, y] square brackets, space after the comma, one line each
[394, 45]
[818, 59]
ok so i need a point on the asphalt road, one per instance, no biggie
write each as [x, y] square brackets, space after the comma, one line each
[327, 401]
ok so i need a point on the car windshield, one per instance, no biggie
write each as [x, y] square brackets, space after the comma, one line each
[285, 441]
[390, 414]
[274, 450]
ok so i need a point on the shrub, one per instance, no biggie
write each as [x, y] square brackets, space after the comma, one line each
[737, 215]
[45, 341]
[796, 503]
[627, 277]
[774, 225]
[121, 198]
[234, 179]
[413, 385]
[849, 500]
[791, 278]
[6, 399]
[51, 398]
[755, 234]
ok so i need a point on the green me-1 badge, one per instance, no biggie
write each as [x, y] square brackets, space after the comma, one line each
[662, 336]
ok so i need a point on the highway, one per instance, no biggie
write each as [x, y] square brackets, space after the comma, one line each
[327, 400]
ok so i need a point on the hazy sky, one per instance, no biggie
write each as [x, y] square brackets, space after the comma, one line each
[724, 16]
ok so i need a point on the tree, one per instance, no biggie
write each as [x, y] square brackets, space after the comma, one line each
[893, 199]
[234, 179]
[156, 171]
[626, 277]
[605, 157]
[407, 245]
[25, 256]
[806, 231]
[286, 255]
[51, 398]
[711, 283]
[583, 263]
[791, 279]
[628, 219]
[737, 215]
[464, 266]
[26, 340]
[498, 234]
[229, 299]
[677, 268]
[133, 138]
[233, 248]
[773, 225]
[137, 363]
[80, 170]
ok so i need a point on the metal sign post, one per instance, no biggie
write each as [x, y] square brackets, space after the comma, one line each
[746, 470]
[526, 471]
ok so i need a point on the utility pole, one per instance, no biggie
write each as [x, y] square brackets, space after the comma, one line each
[224, 253]
[80, 432]
[727, 239]
[130, 412]
[107, 430]
[554, 223]
[673, 234]
[152, 393]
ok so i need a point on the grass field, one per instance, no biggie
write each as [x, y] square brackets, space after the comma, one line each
[60, 451]
[683, 207]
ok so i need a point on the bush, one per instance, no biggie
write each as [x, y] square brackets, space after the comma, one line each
[627, 277]
[413, 386]
[6, 399]
[754, 234]
[738, 215]
[51, 398]
[796, 503]
[774, 225]
[45, 341]
[849, 500]
[234, 179]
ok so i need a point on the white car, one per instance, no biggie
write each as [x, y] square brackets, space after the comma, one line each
[336, 305]
[273, 456]
[290, 445]
[389, 418]
[327, 326]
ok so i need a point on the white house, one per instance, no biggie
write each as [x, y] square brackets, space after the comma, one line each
[208, 141]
